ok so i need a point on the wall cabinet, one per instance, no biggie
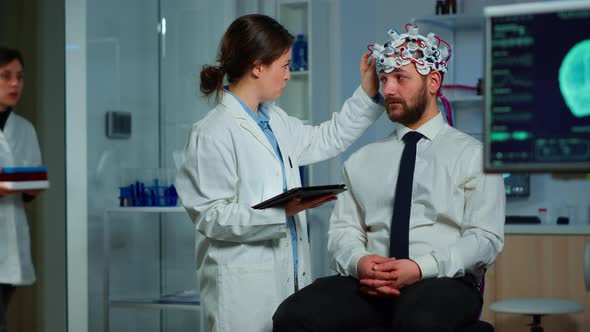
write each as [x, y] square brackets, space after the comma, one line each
[295, 16]
[465, 68]
[296, 100]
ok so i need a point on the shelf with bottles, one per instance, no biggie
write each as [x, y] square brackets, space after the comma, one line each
[295, 98]
[465, 99]
[464, 33]
[457, 97]
[293, 9]
[294, 15]
[458, 93]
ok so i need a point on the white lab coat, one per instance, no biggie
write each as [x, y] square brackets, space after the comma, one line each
[18, 147]
[244, 256]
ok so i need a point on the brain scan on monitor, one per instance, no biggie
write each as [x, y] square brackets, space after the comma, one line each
[537, 87]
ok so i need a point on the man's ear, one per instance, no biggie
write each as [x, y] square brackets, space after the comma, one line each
[434, 81]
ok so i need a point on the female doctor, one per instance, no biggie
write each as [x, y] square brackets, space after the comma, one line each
[18, 147]
[244, 151]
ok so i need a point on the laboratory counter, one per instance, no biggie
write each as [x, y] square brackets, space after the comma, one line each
[525, 229]
[539, 261]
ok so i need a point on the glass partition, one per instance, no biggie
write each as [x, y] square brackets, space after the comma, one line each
[132, 90]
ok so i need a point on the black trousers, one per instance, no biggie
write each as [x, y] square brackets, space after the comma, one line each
[336, 304]
[5, 294]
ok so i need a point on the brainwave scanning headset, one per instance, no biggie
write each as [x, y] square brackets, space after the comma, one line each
[427, 53]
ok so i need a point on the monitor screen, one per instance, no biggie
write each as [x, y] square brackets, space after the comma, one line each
[537, 90]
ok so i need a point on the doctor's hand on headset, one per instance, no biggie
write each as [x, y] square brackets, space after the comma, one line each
[297, 205]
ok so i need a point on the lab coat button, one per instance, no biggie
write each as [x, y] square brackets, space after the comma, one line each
[303, 273]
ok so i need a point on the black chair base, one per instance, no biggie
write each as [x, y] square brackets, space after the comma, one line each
[479, 326]
[536, 324]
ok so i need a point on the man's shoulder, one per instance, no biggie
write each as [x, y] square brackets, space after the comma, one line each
[370, 151]
[461, 150]
[455, 139]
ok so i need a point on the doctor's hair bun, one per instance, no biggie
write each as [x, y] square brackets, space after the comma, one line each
[211, 80]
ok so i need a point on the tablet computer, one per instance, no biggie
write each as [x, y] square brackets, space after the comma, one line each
[303, 192]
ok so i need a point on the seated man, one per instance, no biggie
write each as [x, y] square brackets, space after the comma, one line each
[420, 223]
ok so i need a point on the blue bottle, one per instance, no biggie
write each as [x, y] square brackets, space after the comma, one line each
[299, 53]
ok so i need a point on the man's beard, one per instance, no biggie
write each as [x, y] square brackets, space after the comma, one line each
[409, 115]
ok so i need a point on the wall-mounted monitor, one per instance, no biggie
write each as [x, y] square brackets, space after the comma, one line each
[537, 87]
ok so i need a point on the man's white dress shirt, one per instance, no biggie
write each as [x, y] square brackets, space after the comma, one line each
[457, 213]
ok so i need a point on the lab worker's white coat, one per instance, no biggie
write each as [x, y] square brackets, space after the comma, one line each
[244, 256]
[18, 147]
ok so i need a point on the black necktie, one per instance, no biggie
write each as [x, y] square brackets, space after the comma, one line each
[400, 223]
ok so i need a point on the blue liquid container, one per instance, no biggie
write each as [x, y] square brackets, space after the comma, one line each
[299, 53]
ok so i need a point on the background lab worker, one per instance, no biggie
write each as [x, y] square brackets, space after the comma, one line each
[247, 150]
[18, 147]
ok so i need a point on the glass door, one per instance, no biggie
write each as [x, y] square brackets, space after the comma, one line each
[136, 60]
[121, 43]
